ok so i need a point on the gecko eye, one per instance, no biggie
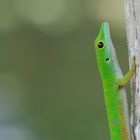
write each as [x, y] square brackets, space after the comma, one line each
[100, 45]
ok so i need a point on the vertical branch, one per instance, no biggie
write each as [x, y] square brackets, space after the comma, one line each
[132, 12]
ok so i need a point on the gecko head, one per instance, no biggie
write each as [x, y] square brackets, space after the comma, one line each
[104, 50]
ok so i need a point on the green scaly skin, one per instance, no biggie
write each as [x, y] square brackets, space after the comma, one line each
[113, 85]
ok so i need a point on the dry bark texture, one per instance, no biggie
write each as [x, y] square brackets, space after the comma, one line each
[132, 12]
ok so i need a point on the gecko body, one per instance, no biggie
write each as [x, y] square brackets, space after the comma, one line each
[113, 85]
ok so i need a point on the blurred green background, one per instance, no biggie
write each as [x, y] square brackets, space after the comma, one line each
[50, 88]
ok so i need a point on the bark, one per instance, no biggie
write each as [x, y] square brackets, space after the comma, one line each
[132, 13]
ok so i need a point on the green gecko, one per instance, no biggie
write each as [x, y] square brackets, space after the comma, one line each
[113, 85]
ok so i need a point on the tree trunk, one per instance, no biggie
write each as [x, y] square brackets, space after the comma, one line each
[132, 12]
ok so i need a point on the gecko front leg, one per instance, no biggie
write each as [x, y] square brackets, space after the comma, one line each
[126, 78]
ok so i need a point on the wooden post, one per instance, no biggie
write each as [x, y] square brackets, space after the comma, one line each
[132, 12]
